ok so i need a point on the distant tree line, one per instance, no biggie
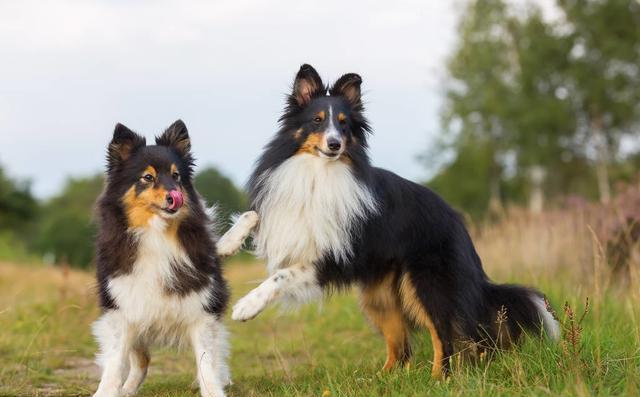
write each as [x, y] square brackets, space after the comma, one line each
[540, 108]
[61, 229]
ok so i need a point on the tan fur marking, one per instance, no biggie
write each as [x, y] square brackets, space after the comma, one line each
[382, 307]
[139, 208]
[415, 309]
[143, 358]
[313, 141]
[174, 169]
[341, 117]
[150, 170]
[297, 134]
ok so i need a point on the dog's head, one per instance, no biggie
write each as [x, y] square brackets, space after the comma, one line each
[150, 181]
[325, 121]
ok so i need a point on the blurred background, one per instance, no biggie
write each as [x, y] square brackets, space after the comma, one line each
[510, 110]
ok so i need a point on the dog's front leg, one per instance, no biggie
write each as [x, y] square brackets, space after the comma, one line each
[209, 340]
[231, 242]
[295, 284]
[115, 339]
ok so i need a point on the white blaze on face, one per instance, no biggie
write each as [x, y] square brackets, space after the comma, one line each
[331, 133]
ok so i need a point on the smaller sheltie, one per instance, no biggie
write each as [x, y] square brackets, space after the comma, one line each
[158, 267]
[329, 219]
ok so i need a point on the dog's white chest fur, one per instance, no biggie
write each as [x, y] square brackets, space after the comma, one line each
[142, 294]
[309, 207]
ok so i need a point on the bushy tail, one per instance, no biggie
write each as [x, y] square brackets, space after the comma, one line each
[514, 308]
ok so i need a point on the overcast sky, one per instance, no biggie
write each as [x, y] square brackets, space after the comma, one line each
[70, 70]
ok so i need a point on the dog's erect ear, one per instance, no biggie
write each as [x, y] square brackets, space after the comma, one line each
[176, 137]
[122, 146]
[307, 85]
[349, 87]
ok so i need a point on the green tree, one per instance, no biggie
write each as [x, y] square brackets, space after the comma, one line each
[541, 118]
[482, 77]
[66, 228]
[219, 190]
[18, 207]
[536, 101]
[603, 75]
[18, 215]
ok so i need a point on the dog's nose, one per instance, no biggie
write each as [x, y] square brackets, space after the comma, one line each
[334, 144]
[174, 199]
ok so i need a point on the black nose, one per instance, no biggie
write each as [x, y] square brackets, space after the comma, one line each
[169, 199]
[334, 144]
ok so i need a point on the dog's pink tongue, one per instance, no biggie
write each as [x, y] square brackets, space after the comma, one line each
[177, 198]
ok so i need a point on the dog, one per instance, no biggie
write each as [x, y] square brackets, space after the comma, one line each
[329, 219]
[158, 265]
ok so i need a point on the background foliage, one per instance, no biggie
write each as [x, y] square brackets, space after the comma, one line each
[61, 229]
[535, 105]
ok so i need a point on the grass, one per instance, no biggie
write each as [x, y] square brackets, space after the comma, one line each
[46, 348]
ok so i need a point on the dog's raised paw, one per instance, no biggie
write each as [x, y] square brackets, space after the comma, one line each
[249, 306]
[249, 219]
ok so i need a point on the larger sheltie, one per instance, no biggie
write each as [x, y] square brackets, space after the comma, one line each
[329, 219]
[158, 268]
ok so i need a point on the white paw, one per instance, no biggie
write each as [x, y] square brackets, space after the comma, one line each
[250, 305]
[211, 391]
[248, 220]
[233, 240]
[103, 393]
[129, 391]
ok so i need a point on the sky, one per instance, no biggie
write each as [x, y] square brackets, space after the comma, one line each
[71, 69]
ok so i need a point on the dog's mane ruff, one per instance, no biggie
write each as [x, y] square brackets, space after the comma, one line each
[309, 208]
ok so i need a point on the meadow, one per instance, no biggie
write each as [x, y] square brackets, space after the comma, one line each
[329, 349]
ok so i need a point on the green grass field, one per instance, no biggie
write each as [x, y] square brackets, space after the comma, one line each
[46, 348]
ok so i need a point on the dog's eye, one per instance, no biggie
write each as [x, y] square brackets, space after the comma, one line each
[317, 120]
[148, 178]
[176, 177]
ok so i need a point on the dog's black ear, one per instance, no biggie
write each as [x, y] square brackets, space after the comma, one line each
[124, 143]
[349, 87]
[176, 137]
[307, 85]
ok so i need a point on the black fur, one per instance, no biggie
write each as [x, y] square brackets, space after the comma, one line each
[415, 232]
[117, 247]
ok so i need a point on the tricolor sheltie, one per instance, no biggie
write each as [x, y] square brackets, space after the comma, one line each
[329, 219]
[158, 266]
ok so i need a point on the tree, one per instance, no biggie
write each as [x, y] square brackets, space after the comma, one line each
[66, 228]
[219, 190]
[483, 74]
[18, 207]
[18, 214]
[604, 75]
[541, 122]
[539, 100]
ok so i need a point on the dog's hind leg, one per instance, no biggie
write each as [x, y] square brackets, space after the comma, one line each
[441, 337]
[138, 365]
[296, 284]
[381, 304]
[231, 242]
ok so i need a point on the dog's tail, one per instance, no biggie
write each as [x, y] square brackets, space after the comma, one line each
[515, 308]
